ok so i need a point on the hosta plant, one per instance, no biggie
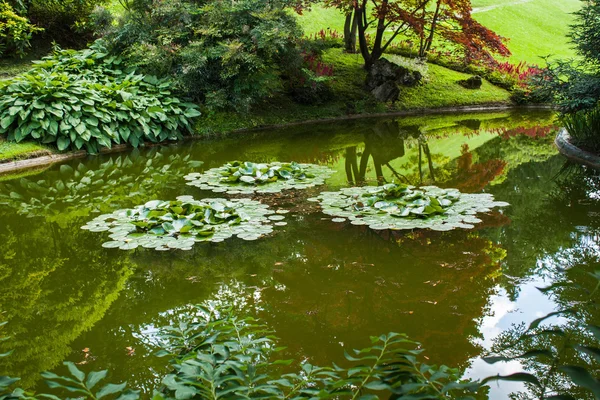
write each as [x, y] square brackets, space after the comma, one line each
[90, 99]
[164, 225]
[247, 177]
[394, 206]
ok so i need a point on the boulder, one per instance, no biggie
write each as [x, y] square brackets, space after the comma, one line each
[387, 91]
[473, 82]
[383, 71]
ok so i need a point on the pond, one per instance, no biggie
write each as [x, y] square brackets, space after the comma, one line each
[323, 286]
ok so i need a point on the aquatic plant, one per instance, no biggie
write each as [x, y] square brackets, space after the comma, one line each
[246, 177]
[178, 224]
[398, 207]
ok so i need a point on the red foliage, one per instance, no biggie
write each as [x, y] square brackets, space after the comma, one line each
[520, 72]
[314, 63]
[534, 132]
[472, 178]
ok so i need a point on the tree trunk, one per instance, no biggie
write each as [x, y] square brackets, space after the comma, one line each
[350, 29]
[429, 40]
[360, 12]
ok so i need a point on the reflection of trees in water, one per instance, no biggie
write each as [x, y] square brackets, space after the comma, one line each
[54, 285]
[383, 144]
[561, 227]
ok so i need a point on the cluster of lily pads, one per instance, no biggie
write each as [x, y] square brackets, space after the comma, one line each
[247, 177]
[398, 207]
[164, 225]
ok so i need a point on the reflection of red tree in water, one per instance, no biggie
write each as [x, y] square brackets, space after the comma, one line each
[534, 132]
[471, 177]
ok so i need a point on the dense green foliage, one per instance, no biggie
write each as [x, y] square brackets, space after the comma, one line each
[216, 354]
[584, 128]
[64, 21]
[91, 99]
[225, 54]
[575, 85]
[15, 31]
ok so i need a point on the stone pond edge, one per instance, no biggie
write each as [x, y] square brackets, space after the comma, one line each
[574, 153]
[47, 160]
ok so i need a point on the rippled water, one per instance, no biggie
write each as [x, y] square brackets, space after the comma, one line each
[322, 286]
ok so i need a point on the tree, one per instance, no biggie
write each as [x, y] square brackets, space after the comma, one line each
[451, 20]
[397, 16]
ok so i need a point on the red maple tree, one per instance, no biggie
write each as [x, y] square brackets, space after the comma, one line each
[448, 20]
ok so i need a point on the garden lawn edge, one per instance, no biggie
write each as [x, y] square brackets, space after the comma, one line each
[36, 162]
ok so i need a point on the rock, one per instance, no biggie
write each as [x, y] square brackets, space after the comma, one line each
[383, 71]
[387, 91]
[473, 82]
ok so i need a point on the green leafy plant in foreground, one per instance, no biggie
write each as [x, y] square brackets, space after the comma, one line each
[247, 177]
[89, 98]
[164, 225]
[394, 206]
[223, 356]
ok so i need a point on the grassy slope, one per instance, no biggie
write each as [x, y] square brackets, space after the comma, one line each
[10, 151]
[536, 28]
[439, 90]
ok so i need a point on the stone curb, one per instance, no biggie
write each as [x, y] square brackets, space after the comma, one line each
[574, 153]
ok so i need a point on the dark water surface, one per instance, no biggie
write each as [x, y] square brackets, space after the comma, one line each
[321, 286]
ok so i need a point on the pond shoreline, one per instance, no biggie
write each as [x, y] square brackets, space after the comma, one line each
[46, 160]
[574, 153]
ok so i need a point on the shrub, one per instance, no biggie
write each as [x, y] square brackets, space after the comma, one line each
[88, 98]
[224, 54]
[15, 31]
[65, 21]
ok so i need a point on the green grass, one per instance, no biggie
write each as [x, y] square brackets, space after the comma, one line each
[10, 151]
[10, 66]
[536, 28]
[349, 97]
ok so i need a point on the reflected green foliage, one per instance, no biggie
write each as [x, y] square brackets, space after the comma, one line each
[164, 225]
[77, 189]
[561, 359]
[52, 289]
[91, 99]
[247, 177]
[397, 207]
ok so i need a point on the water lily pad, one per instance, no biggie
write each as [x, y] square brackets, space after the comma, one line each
[247, 177]
[179, 224]
[398, 207]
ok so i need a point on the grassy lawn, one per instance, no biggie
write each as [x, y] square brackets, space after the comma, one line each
[536, 28]
[349, 97]
[10, 151]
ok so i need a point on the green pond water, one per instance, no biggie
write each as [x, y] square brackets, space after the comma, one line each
[322, 286]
